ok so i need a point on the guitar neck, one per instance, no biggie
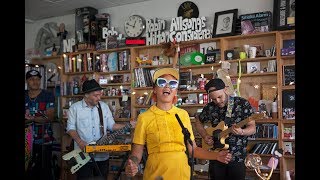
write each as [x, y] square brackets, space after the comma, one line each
[106, 138]
[229, 130]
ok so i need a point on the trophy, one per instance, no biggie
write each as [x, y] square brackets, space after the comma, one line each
[253, 161]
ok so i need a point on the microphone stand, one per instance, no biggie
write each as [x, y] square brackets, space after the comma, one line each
[187, 138]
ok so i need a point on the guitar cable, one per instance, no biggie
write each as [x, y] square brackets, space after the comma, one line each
[95, 163]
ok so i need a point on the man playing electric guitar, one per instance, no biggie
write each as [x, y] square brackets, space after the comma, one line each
[88, 120]
[231, 111]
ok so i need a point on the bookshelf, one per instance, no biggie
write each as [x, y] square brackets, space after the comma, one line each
[286, 92]
[260, 85]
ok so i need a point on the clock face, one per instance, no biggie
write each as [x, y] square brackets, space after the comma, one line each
[188, 10]
[134, 26]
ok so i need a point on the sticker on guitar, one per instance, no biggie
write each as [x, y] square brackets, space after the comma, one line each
[221, 132]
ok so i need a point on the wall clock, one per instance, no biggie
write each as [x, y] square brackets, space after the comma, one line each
[188, 9]
[134, 26]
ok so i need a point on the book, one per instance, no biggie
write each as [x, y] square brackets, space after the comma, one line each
[113, 61]
[185, 77]
[288, 104]
[289, 75]
[256, 22]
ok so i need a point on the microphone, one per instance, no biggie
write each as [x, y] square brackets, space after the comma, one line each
[184, 130]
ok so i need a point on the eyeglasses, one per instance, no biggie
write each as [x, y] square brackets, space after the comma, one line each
[161, 82]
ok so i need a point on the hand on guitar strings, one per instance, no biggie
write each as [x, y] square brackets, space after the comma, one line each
[224, 156]
[209, 140]
[237, 130]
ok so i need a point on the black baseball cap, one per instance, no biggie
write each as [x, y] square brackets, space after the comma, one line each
[216, 83]
[31, 73]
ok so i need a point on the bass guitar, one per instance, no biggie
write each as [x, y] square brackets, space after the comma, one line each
[221, 132]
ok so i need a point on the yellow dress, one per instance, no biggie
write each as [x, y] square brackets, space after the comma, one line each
[161, 131]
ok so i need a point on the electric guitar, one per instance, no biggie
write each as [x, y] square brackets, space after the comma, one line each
[78, 158]
[221, 132]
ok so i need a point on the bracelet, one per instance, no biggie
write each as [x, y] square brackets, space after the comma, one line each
[242, 132]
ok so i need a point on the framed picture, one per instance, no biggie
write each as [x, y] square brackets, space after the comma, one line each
[256, 22]
[284, 14]
[224, 23]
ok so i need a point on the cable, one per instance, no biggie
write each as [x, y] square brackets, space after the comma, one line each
[95, 163]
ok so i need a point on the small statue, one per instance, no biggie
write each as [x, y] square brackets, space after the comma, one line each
[63, 35]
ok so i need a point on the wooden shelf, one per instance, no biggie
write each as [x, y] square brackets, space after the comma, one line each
[80, 52]
[199, 66]
[142, 88]
[274, 121]
[78, 73]
[154, 67]
[291, 31]
[289, 156]
[116, 84]
[114, 72]
[193, 91]
[112, 50]
[288, 121]
[253, 59]
[288, 57]
[110, 97]
[256, 35]
[288, 140]
[288, 87]
[256, 74]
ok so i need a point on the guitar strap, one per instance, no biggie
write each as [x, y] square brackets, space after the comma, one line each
[229, 110]
[101, 119]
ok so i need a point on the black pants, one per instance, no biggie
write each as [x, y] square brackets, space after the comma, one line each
[231, 171]
[90, 171]
[40, 167]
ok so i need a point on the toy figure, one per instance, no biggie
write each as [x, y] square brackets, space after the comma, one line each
[63, 35]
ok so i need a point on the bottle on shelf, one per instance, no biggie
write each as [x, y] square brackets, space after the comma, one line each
[76, 88]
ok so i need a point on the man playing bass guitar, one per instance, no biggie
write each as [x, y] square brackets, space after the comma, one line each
[230, 111]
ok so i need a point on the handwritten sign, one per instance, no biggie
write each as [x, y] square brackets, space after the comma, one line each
[289, 75]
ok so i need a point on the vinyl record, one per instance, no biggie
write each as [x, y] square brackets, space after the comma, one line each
[185, 60]
[197, 58]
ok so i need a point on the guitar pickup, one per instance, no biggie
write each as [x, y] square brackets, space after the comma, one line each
[82, 155]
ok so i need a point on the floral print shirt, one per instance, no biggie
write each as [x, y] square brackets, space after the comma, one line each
[240, 111]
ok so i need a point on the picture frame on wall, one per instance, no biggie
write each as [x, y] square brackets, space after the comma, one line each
[284, 14]
[225, 22]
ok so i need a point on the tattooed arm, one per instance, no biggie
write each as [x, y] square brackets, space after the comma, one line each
[134, 160]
